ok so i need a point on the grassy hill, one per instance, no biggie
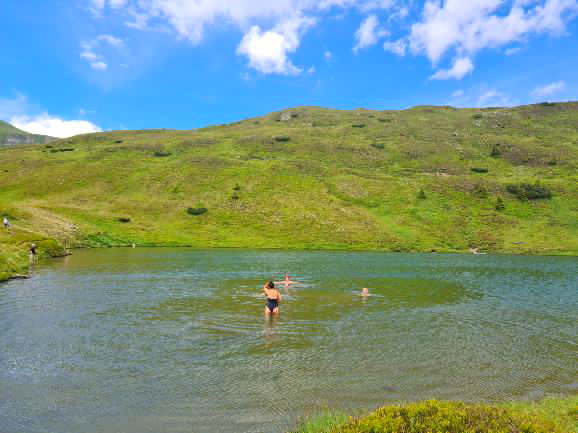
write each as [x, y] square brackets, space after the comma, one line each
[10, 135]
[503, 180]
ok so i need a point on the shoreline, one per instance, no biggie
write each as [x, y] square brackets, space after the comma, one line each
[48, 256]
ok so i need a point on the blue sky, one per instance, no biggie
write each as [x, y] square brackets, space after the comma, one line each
[74, 66]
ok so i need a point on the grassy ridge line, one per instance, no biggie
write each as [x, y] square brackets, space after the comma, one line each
[551, 415]
[310, 178]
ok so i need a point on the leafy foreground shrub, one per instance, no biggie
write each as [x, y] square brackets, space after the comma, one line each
[446, 417]
[527, 191]
[197, 210]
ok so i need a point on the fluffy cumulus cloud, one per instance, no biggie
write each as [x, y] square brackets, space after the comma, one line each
[53, 126]
[461, 67]
[438, 29]
[548, 89]
[466, 27]
[368, 33]
[272, 30]
[268, 51]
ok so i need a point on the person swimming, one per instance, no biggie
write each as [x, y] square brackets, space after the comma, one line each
[273, 298]
[364, 292]
[287, 281]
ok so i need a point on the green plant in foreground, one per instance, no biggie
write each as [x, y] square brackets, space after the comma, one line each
[437, 417]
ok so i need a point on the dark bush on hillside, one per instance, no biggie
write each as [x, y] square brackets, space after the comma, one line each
[237, 187]
[383, 119]
[378, 145]
[527, 191]
[421, 195]
[500, 206]
[281, 138]
[548, 104]
[118, 141]
[235, 196]
[162, 153]
[480, 191]
[479, 170]
[197, 210]
[358, 125]
[496, 152]
[62, 149]
[477, 116]
[123, 220]
[446, 417]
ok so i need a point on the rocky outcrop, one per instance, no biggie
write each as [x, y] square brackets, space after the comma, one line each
[15, 139]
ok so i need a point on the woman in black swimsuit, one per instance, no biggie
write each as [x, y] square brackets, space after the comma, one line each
[273, 298]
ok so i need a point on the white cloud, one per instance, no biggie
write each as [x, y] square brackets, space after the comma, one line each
[398, 47]
[461, 67]
[457, 93]
[328, 55]
[368, 33]
[109, 39]
[493, 98]
[548, 89]
[267, 50]
[512, 51]
[266, 41]
[466, 27]
[53, 126]
[90, 50]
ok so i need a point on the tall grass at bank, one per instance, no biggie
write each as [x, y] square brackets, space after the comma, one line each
[551, 415]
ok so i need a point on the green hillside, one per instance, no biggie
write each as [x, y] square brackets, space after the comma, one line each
[10, 135]
[503, 180]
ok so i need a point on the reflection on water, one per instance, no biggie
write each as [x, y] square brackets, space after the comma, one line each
[175, 340]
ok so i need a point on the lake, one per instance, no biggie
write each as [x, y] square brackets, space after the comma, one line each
[172, 340]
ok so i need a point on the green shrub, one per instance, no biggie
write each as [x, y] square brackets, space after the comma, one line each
[378, 145]
[480, 191]
[500, 206]
[479, 170]
[421, 195]
[477, 116]
[527, 191]
[237, 187]
[496, 152]
[123, 220]
[446, 417]
[358, 125]
[197, 210]
[162, 153]
[62, 149]
[281, 138]
[235, 196]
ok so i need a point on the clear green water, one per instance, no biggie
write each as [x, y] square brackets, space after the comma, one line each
[174, 340]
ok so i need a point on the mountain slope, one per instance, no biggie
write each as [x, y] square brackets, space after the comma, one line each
[10, 135]
[423, 179]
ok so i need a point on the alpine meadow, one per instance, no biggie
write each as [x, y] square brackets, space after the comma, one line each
[426, 179]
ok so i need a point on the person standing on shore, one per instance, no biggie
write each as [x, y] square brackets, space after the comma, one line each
[6, 223]
[32, 252]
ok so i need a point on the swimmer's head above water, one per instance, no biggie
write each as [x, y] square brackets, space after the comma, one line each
[270, 285]
[365, 291]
